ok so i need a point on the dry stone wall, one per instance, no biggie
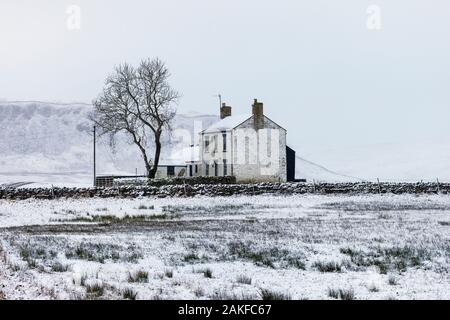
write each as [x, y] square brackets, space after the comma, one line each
[187, 190]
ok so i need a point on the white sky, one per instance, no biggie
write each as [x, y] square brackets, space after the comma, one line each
[319, 70]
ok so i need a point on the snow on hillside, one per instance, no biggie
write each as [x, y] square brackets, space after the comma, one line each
[305, 169]
[407, 162]
[53, 142]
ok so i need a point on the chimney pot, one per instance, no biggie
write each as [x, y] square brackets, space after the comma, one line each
[225, 111]
[258, 114]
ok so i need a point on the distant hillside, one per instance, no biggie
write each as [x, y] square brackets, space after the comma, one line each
[311, 171]
[41, 137]
[412, 161]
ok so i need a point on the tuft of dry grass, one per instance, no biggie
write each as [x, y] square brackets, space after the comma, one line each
[129, 294]
[268, 294]
[343, 294]
[244, 279]
[138, 276]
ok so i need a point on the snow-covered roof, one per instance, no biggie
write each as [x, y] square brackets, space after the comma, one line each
[228, 123]
[183, 155]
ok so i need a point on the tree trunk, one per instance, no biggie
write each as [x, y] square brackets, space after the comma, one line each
[148, 166]
[137, 141]
[154, 168]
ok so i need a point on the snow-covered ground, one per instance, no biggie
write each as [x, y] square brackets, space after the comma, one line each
[302, 247]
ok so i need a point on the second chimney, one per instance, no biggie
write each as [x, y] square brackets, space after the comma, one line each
[225, 111]
[258, 114]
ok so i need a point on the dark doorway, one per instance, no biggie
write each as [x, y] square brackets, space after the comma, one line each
[170, 171]
[290, 164]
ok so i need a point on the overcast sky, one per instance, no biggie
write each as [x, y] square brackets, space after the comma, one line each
[320, 71]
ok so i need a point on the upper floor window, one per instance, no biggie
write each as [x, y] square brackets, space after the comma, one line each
[214, 142]
[247, 150]
[224, 139]
[206, 144]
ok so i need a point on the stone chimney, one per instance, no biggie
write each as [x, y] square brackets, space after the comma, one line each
[225, 111]
[258, 114]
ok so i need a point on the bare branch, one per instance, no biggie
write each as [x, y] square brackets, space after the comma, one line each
[139, 102]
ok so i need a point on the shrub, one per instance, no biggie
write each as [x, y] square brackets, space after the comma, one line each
[296, 263]
[94, 289]
[190, 257]
[244, 279]
[199, 292]
[373, 288]
[267, 294]
[139, 276]
[389, 258]
[100, 252]
[392, 280]
[330, 266]
[129, 294]
[32, 263]
[272, 257]
[59, 267]
[15, 266]
[207, 273]
[343, 294]
[224, 295]
[168, 273]
[333, 293]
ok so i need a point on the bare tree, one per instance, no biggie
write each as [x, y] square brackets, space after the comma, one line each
[140, 102]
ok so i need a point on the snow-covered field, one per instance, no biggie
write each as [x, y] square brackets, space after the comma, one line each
[247, 247]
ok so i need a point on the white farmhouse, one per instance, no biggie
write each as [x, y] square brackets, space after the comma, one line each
[250, 147]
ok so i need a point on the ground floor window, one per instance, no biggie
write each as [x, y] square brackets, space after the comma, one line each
[170, 171]
[206, 169]
[216, 169]
[225, 168]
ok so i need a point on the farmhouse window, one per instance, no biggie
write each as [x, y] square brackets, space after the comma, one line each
[215, 143]
[225, 168]
[206, 144]
[224, 139]
[170, 171]
[247, 150]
